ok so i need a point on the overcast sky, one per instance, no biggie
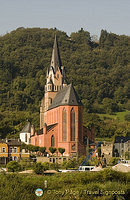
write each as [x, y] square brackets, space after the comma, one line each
[66, 15]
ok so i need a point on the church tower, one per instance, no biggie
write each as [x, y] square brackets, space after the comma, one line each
[55, 81]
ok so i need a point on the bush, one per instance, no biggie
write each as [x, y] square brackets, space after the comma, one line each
[71, 164]
[46, 166]
[127, 117]
[39, 168]
[13, 166]
[114, 161]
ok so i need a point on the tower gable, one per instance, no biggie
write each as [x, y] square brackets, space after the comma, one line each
[67, 96]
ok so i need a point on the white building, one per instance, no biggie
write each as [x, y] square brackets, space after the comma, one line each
[26, 133]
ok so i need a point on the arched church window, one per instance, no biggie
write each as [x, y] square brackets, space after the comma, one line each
[52, 141]
[72, 118]
[64, 125]
[80, 124]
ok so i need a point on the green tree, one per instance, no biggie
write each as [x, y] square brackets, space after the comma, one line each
[71, 164]
[39, 168]
[52, 149]
[32, 148]
[42, 149]
[13, 166]
[61, 150]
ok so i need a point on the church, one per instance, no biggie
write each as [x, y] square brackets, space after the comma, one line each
[61, 113]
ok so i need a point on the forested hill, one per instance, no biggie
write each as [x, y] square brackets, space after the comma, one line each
[99, 70]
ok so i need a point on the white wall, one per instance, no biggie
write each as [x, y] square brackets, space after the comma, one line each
[23, 137]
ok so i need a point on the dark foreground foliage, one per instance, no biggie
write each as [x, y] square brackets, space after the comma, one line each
[105, 185]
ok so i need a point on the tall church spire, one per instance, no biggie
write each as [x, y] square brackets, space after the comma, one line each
[55, 60]
[55, 81]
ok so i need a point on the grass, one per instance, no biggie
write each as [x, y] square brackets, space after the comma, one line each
[116, 116]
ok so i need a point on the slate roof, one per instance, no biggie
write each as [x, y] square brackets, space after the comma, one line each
[40, 132]
[27, 128]
[51, 126]
[12, 142]
[66, 96]
[121, 139]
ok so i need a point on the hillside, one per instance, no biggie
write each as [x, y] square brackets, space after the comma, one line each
[99, 71]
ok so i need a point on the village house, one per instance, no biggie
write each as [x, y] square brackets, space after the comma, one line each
[10, 149]
[121, 146]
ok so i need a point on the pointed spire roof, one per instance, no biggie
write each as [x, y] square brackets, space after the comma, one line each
[27, 128]
[66, 96]
[55, 60]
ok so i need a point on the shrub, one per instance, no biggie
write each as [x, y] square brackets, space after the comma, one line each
[113, 161]
[127, 117]
[46, 166]
[70, 164]
[39, 168]
[13, 166]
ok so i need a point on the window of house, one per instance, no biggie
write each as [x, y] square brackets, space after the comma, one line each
[72, 117]
[3, 149]
[64, 125]
[15, 158]
[10, 158]
[15, 149]
[11, 149]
